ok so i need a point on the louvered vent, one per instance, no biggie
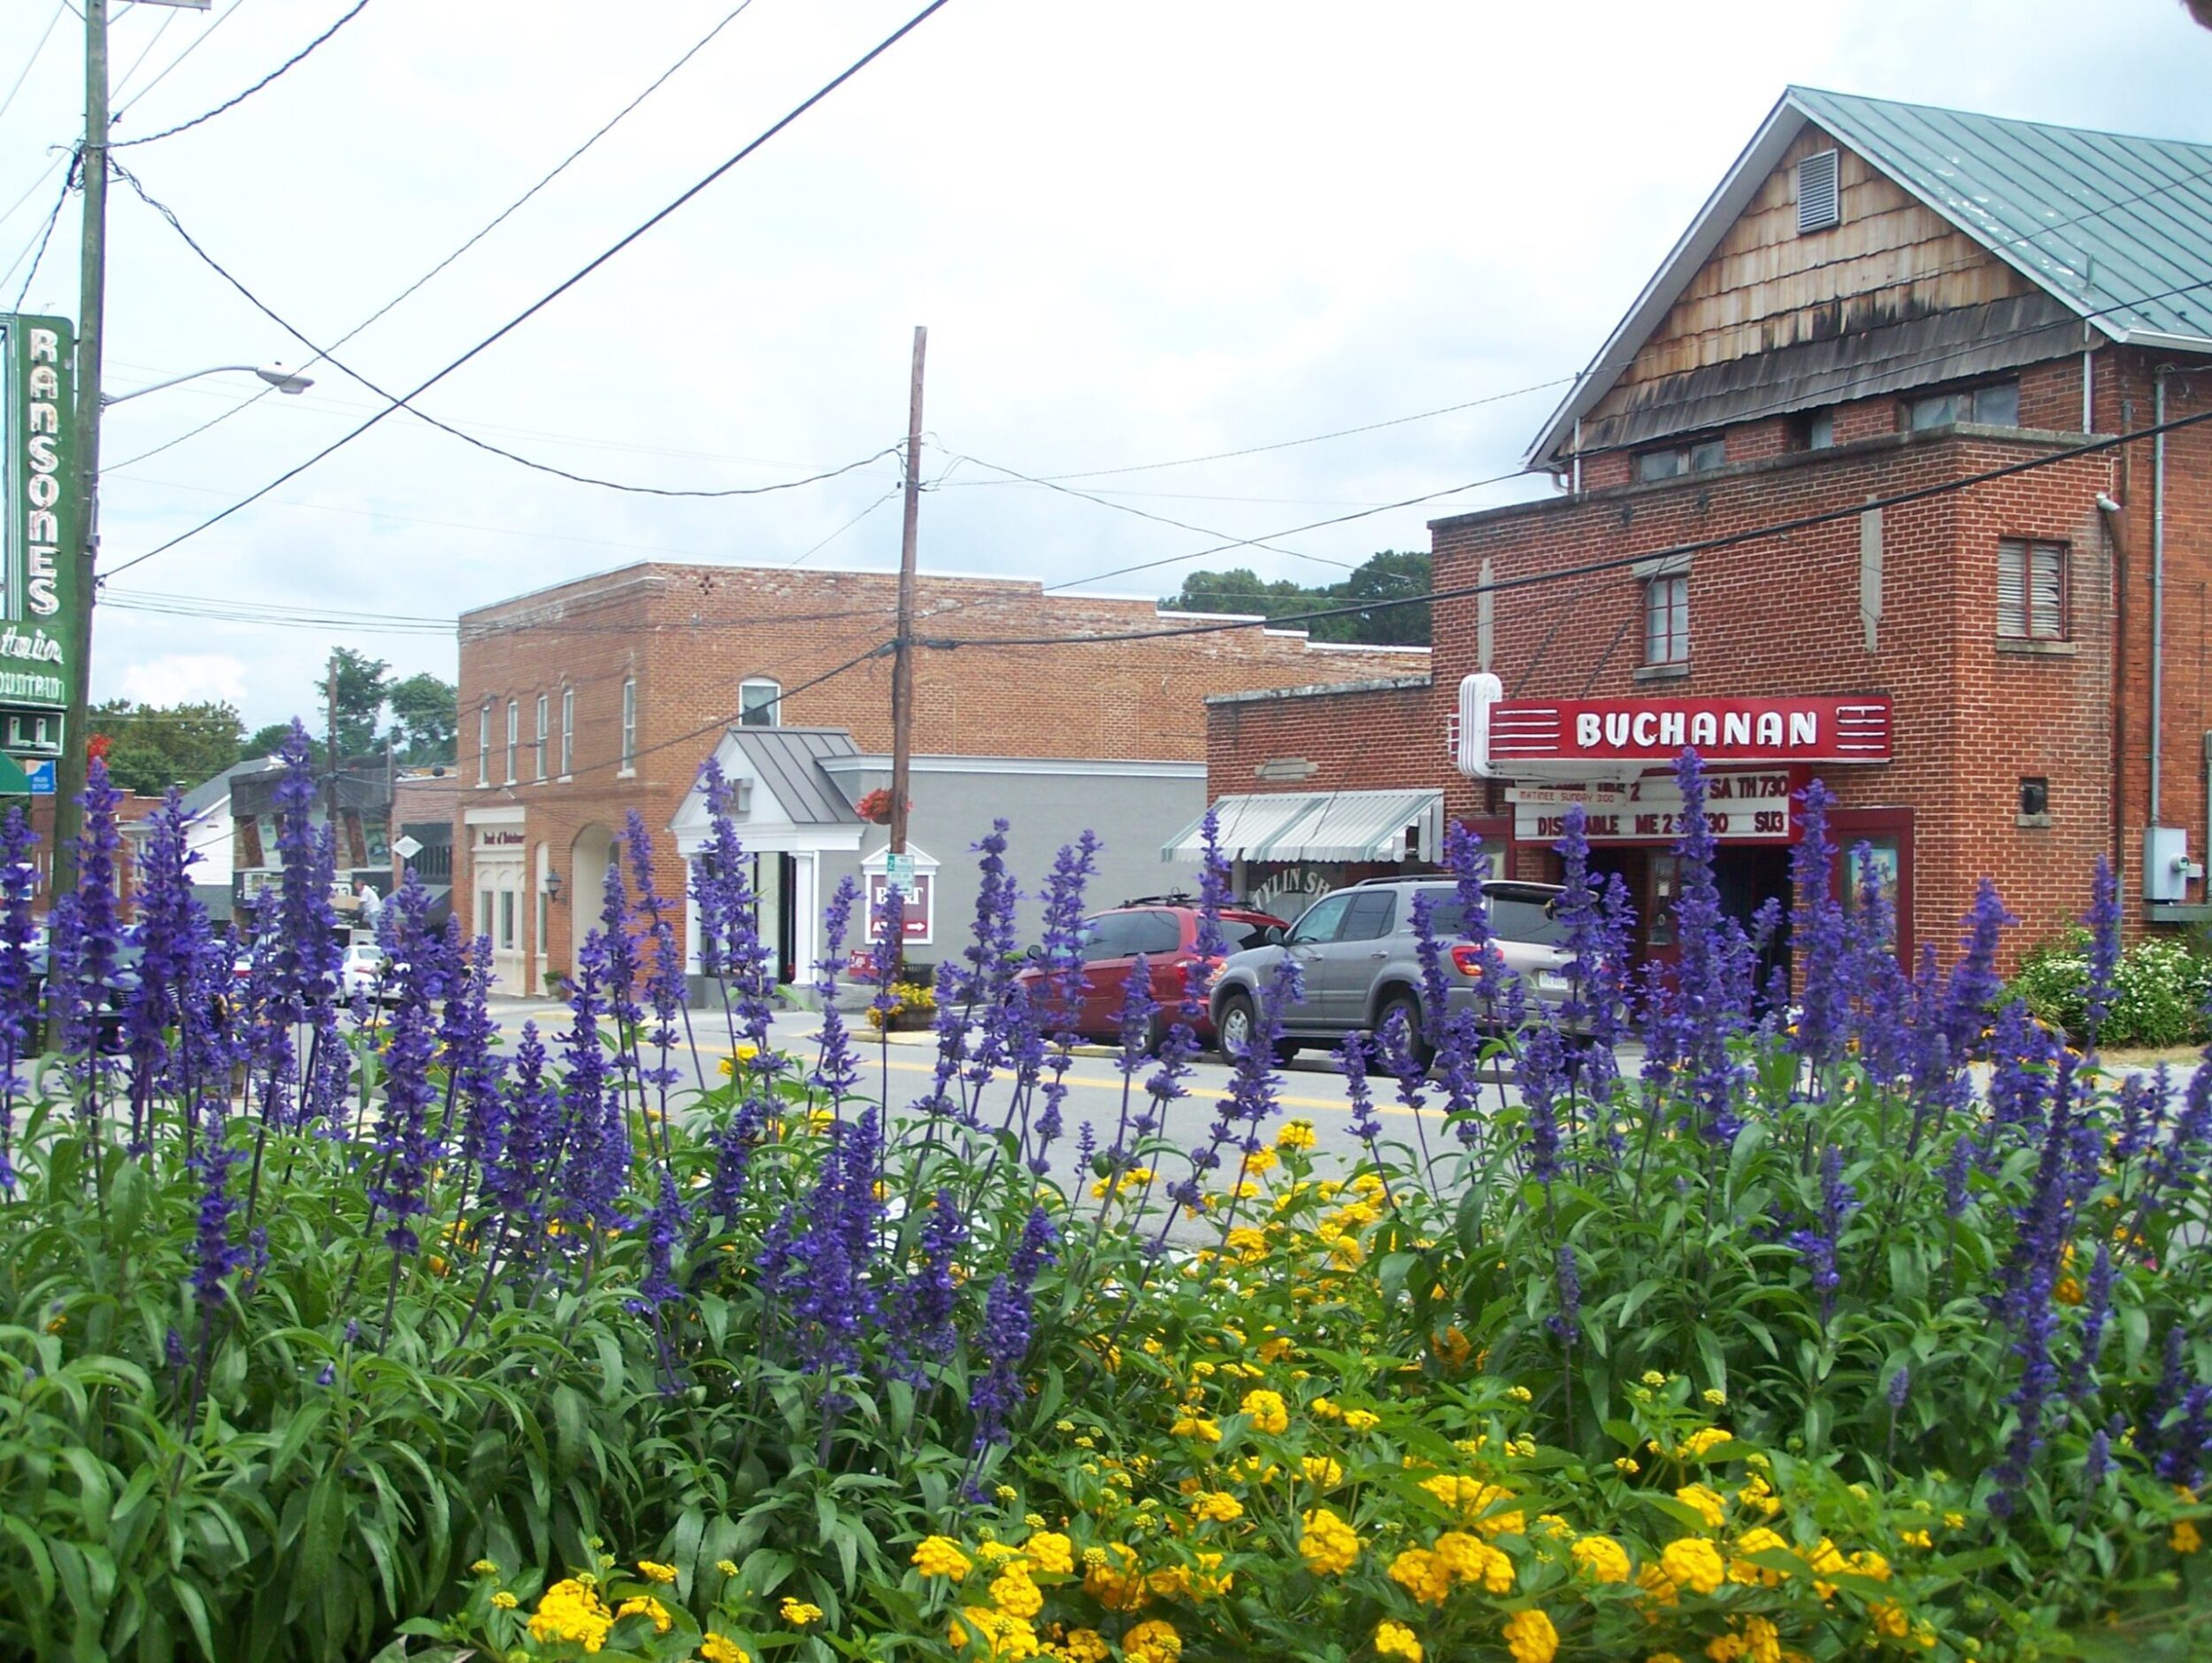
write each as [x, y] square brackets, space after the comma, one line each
[1819, 202]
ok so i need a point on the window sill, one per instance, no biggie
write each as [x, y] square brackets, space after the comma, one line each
[2033, 822]
[626, 774]
[2038, 649]
[565, 779]
[1659, 673]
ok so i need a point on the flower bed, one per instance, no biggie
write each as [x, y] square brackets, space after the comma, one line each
[426, 1345]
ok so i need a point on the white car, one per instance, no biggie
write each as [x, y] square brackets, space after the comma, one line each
[368, 973]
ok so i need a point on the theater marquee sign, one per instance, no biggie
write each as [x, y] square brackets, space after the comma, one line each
[1620, 739]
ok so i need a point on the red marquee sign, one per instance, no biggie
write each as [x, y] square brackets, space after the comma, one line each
[1500, 737]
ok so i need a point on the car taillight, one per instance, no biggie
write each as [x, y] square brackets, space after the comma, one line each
[1467, 959]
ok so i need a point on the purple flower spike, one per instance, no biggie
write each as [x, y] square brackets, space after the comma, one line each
[2104, 949]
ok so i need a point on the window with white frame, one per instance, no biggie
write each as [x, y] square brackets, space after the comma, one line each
[2030, 590]
[484, 745]
[1667, 619]
[760, 703]
[540, 739]
[568, 731]
[514, 734]
[629, 725]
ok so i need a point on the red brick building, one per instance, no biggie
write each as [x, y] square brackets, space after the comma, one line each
[1879, 302]
[583, 701]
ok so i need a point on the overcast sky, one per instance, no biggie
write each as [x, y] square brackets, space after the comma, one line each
[1138, 232]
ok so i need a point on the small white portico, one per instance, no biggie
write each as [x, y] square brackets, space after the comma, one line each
[789, 815]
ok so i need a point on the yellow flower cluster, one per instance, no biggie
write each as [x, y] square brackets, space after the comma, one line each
[798, 1612]
[646, 1606]
[1431, 1573]
[572, 1610]
[717, 1648]
[1296, 1134]
[1477, 1502]
[1267, 1410]
[1606, 1560]
[1394, 1639]
[1327, 1544]
[940, 1556]
[1530, 1636]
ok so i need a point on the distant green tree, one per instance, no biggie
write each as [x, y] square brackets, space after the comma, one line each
[425, 718]
[1371, 587]
[152, 747]
[362, 685]
[266, 741]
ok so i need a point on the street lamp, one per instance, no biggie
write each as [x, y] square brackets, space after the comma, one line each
[283, 380]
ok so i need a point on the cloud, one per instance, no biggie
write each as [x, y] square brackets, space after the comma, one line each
[179, 678]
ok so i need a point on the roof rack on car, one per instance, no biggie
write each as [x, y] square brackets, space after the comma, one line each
[1174, 898]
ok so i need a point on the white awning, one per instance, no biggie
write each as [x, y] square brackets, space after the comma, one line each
[1320, 826]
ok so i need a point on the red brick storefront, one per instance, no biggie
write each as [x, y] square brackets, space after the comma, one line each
[1775, 374]
[681, 648]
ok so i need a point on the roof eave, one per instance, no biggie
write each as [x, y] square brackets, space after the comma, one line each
[2155, 340]
[1683, 262]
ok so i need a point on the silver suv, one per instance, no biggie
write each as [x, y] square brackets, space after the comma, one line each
[1358, 953]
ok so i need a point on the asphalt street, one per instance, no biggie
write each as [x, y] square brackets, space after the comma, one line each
[899, 1072]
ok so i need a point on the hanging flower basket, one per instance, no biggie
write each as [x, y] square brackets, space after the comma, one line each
[875, 807]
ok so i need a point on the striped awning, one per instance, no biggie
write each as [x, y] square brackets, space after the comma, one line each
[1320, 826]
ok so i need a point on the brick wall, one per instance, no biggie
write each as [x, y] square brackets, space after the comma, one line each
[1781, 615]
[689, 636]
[1372, 736]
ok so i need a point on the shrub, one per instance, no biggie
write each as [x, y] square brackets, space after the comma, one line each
[2161, 988]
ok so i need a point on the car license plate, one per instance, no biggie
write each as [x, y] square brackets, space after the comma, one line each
[1550, 982]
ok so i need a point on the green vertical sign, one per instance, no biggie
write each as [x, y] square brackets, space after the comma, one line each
[38, 548]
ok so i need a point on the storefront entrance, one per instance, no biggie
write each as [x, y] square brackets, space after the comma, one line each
[1747, 878]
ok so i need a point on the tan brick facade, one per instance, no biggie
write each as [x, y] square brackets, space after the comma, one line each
[687, 637]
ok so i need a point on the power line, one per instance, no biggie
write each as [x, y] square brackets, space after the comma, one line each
[146, 51]
[1317, 438]
[1143, 513]
[325, 355]
[44, 237]
[232, 104]
[493, 224]
[31, 62]
[1615, 563]
[198, 41]
[558, 289]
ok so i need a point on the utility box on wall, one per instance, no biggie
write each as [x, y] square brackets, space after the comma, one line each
[2166, 868]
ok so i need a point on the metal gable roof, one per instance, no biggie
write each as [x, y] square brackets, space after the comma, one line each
[788, 761]
[2116, 228]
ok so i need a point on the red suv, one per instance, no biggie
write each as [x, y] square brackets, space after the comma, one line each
[1166, 931]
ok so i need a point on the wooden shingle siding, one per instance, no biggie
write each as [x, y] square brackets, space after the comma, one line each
[1765, 287]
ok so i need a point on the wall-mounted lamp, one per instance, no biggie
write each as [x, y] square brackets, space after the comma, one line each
[552, 886]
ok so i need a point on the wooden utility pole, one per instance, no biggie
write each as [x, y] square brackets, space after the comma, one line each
[330, 798]
[92, 158]
[903, 665]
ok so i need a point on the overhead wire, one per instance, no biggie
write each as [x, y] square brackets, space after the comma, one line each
[1755, 534]
[233, 103]
[558, 289]
[403, 401]
[490, 226]
[31, 62]
[154, 40]
[198, 41]
[37, 251]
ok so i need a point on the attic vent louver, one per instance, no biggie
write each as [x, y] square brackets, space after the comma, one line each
[1819, 202]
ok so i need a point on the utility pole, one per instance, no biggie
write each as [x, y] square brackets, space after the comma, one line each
[903, 665]
[330, 698]
[92, 158]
